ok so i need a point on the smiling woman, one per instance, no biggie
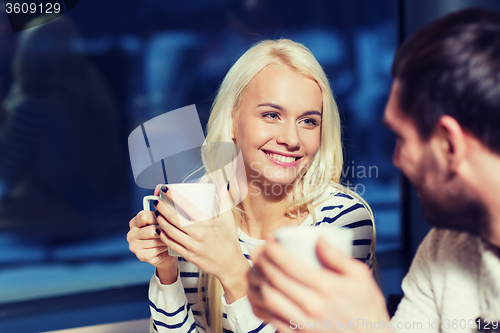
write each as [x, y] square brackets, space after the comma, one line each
[275, 126]
[276, 105]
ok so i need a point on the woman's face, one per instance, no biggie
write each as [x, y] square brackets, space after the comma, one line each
[278, 125]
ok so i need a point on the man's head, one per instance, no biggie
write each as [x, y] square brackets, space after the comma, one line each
[445, 100]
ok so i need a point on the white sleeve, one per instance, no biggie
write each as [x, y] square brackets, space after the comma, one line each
[170, 309]
[241, 317]
[418, 310]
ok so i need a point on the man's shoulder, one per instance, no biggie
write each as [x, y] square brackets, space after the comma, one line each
[439, 235]
[449, 245]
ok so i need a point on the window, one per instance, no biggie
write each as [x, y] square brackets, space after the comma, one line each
[83, 82]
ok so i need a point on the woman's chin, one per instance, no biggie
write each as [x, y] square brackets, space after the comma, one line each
[274, 185]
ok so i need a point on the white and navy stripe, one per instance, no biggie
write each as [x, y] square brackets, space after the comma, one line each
[335, 208]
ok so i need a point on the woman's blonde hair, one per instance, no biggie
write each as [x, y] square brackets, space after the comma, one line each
[323, 170]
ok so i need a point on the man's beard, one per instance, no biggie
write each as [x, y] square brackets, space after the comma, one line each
[456, 210]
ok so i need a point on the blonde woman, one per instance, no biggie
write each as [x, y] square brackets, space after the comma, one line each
[276, 105]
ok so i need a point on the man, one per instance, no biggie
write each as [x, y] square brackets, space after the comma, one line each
[444, 107]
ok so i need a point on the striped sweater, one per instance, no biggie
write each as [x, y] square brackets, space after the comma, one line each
[175, 307]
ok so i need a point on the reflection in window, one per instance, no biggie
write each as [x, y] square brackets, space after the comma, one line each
[72, 90]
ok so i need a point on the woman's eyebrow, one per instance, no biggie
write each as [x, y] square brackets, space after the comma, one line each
[274, 106]
[279, 107]
[313, 112]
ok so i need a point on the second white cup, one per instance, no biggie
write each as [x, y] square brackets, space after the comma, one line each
[301, 241]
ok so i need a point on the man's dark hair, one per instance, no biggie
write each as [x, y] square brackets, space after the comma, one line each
[452, 67]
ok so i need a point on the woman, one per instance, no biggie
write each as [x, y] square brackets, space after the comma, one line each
[275, 103]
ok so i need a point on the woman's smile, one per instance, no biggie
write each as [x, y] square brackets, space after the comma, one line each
[284, 160]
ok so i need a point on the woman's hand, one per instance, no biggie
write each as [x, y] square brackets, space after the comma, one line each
[145, 241]
[342, 297]
[211, 244]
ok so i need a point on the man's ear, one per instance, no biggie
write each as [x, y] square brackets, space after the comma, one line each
[452, 140]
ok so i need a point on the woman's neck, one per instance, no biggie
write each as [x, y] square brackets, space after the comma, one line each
[265, 213]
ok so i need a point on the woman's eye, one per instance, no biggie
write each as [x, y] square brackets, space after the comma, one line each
[311, 122]
[271, 115]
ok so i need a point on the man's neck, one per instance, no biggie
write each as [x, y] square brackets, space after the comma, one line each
[486, 181]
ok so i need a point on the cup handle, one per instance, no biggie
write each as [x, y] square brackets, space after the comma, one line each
[145, 204]
[145, 201]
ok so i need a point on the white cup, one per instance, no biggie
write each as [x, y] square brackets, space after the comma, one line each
[301, 241]
[201, 195]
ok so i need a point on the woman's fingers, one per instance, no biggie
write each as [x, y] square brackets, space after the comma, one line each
[157, 189]
[153, 251]
[137, 234]
[177, 247]
[173, 233]
[146, 237]
[151, 243]
[142, 219]
[151, 255]
[147, 232]
[170, 216]
[187, 206]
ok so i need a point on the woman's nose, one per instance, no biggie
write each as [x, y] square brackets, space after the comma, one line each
[289, 137]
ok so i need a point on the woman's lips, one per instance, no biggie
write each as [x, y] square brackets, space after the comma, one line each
[280, 163]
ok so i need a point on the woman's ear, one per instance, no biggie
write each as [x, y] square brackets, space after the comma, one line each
[234, 122]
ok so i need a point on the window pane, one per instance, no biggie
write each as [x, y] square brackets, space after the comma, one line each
[74, 88]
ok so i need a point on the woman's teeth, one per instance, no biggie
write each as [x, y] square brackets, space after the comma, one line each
[282, 159]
